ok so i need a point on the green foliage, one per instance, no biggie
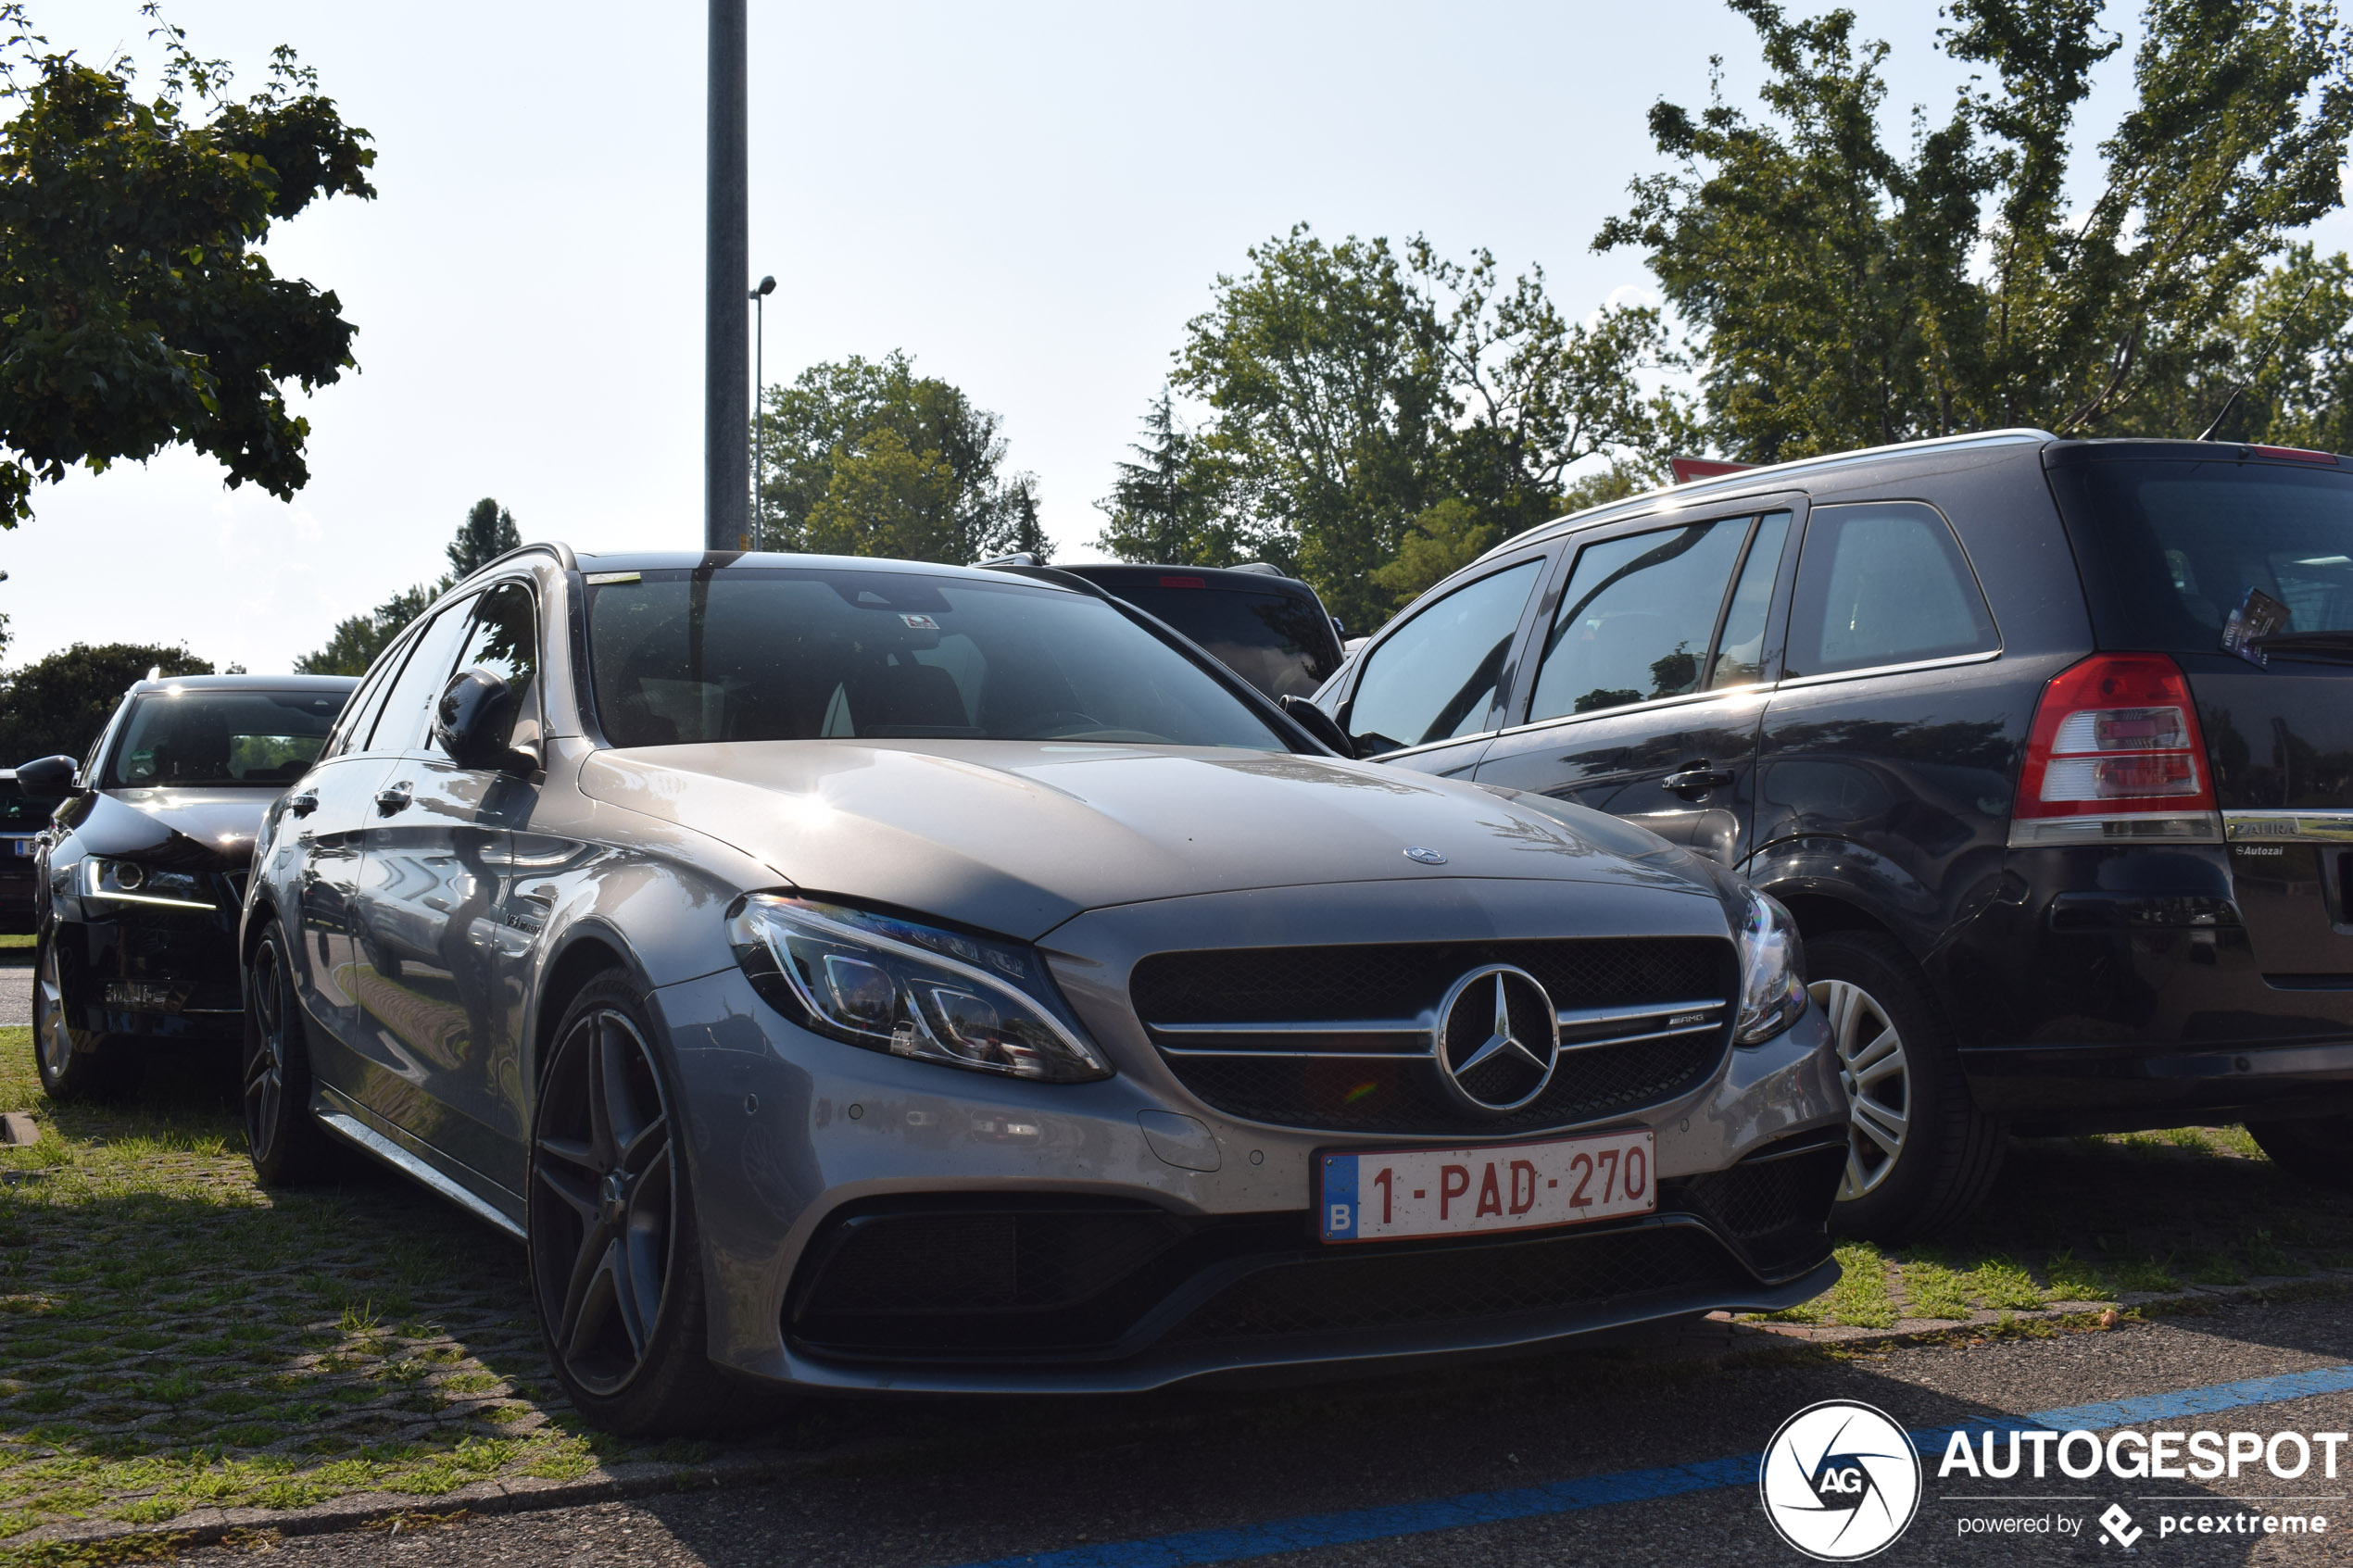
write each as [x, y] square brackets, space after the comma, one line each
[58, 705]
[1167, 509]
[487, 532]
[1356, 388]
[1442, 542]
[866, 458]
[1028, 535]
[1844, 295]
[140, 312]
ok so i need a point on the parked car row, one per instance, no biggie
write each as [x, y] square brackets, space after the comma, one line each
[851, 974]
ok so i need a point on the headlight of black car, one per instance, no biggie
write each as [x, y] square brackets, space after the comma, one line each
[912, 990]
[1772, 979]
[127, 881]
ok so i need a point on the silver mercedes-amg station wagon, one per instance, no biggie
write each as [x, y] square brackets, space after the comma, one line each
[858, 974]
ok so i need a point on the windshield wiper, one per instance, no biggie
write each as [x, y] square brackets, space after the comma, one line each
[2336, 646]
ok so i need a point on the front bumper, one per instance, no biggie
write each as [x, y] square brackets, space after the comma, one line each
[798, 1142]
[172, 980]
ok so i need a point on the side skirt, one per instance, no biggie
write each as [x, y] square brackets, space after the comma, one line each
[345, 1119]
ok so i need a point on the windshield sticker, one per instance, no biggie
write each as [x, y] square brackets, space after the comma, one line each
[920, 623]
[2257, 615]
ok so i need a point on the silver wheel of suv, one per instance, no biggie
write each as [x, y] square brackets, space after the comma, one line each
[1878, 1082]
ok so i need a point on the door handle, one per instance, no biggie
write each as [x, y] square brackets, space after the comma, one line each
[303, 804]
[395, 797]
[1695, 779]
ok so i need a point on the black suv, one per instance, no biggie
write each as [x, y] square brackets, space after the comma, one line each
[1270, 630]
[2064, 862]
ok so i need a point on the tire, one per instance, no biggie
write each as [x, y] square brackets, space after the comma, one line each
[288, 1146]
[75, 1063]
[1921, 1155]
[2315, 1148]
[616, 1260]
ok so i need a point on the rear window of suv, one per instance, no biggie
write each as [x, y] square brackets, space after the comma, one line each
[2171, 548]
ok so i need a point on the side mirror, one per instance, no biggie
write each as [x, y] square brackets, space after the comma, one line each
[49, 776]
[474, 720]
[1318, 723]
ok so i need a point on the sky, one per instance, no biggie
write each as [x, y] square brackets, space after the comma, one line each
[1030, 199]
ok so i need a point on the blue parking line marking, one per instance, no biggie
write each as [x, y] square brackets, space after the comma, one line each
[1309, 1532]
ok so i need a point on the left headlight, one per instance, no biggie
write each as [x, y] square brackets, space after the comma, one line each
[1772, 977]
[127, 881]
[912, 990]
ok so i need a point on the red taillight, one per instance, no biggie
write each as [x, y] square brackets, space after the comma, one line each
[1183, 583]
[2296, 454]
[2114, 735]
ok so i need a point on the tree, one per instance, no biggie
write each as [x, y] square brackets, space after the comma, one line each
[1842, 295]
[1170, 508]
[59, 704]
[867, 457]
[1029, 534]
[487, 532]
[1355, 389]
[140, 312]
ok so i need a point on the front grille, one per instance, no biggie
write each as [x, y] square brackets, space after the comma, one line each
[1337, 1037]
[1457, 1284]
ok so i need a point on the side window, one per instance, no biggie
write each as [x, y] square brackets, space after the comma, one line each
[503, 638]
[1882, 583]
[407, 705]
[1434, 678]
[1637, 617]
[1739, 648]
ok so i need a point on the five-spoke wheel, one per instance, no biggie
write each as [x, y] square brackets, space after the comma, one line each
[603, 1257]
[616, 1271]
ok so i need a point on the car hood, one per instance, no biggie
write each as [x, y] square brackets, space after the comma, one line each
[1018, 836]
[180, 825]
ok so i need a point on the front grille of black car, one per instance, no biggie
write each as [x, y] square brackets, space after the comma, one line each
[1337, 1037]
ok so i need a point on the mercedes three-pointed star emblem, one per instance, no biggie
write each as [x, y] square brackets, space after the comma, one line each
[1496, 1040]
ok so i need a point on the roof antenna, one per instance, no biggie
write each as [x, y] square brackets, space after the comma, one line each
[2260, 360]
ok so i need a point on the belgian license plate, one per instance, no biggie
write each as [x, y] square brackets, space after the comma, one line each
[1388, 1195]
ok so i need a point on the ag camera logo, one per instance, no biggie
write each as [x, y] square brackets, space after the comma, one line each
[1839, 1480]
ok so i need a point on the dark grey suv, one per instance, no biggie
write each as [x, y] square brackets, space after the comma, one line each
[2062, 860]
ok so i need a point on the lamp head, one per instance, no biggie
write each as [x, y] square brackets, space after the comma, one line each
[767, 286]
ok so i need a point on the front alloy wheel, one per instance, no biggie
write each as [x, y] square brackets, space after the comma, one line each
[1873, 1070]
[604, 1257]
[616, 1269]
[73, 1063]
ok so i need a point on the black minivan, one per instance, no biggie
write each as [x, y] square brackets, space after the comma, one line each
[2064, 861]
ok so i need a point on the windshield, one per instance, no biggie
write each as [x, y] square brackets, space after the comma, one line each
[678, 658]
[196, 738]
[1282, 645]
[2171, 548]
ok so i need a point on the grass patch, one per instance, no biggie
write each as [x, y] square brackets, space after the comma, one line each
[174, 1337]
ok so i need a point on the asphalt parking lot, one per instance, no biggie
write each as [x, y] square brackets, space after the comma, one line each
[1238, 1462]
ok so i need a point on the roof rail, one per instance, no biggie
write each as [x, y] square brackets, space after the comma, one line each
[1750, 478]
[556, 547]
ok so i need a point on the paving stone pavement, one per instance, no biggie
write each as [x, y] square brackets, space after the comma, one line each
[16, 993]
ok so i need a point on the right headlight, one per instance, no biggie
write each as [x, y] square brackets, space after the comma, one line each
[1772, 971]
[912, 990]
[129, 882]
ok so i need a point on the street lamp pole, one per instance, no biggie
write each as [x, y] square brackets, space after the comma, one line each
[758, 431]
[726, 258]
